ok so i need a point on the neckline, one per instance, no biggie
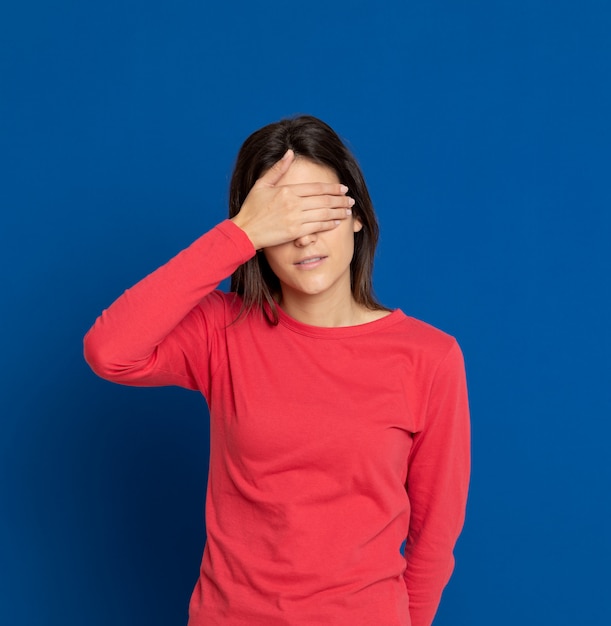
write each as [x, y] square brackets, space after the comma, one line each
[338, 332]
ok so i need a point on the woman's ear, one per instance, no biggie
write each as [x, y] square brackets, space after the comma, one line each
[357, 225]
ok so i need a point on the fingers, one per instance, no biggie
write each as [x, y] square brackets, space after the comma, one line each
[310, 203]
[324, 216]
[278, 169]
[318, 189]
[311, 228]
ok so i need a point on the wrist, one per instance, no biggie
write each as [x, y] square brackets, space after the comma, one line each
[239, 222]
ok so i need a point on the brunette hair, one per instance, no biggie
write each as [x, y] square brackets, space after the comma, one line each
[311, 139]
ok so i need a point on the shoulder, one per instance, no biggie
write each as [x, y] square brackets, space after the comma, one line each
[218, 308]
[426, 351]
[422, 336]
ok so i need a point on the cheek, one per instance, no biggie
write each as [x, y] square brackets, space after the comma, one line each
[348, 240]
[276, 257]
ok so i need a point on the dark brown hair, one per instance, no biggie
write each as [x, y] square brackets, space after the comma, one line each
[312, 139]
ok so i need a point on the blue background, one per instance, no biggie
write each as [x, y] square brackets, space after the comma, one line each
[483, 128]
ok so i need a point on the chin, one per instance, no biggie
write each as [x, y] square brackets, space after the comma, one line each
[309, 290]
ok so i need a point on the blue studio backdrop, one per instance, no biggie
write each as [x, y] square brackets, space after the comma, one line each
[483, 128]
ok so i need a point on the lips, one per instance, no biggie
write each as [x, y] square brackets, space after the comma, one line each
[309, 260]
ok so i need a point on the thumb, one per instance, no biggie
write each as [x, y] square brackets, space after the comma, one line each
[278, 169]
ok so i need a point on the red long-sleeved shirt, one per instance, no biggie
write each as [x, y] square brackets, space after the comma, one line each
[330, 447]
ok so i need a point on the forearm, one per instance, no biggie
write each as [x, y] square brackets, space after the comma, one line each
[437, 486]
[126, 335]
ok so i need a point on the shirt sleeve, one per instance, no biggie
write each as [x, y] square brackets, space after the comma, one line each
[159, 331]
[437, 485]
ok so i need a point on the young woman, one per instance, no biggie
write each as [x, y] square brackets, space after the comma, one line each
[339, 455]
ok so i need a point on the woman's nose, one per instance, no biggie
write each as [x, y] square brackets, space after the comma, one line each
[306, 240]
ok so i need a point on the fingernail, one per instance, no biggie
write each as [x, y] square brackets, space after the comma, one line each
[351, 201]
[348, 211]
[337, 222]
[343, 188]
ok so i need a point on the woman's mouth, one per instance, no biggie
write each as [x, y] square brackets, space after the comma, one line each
[310, 262]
